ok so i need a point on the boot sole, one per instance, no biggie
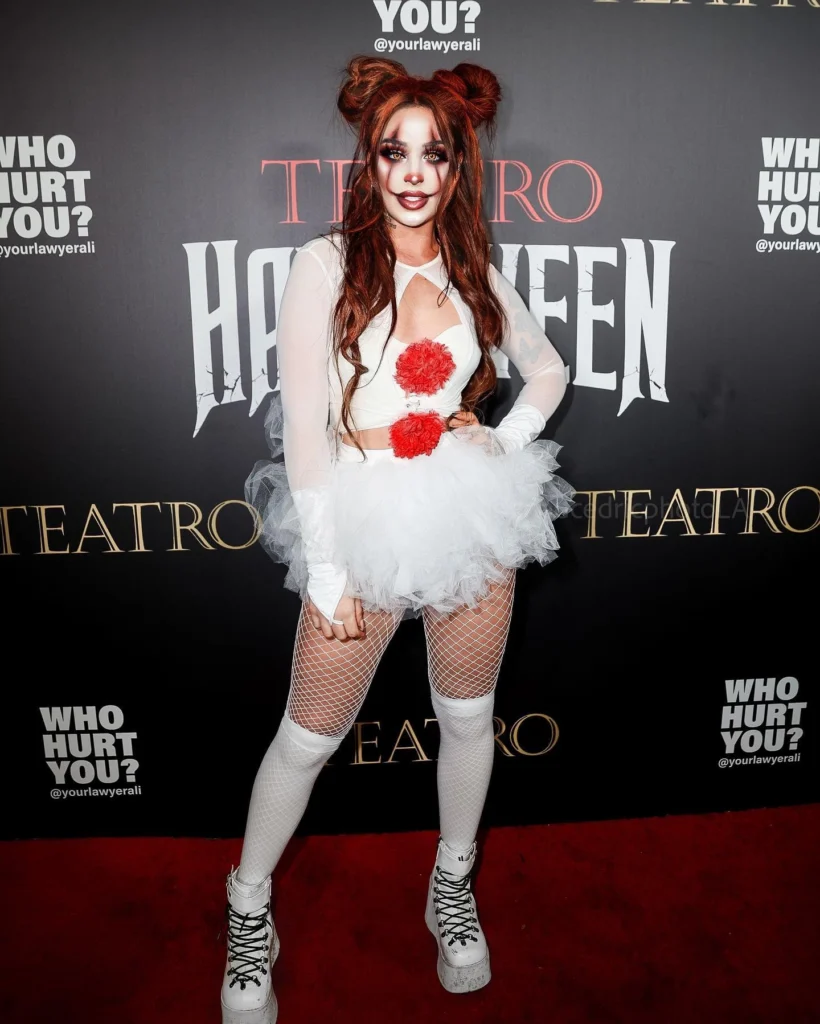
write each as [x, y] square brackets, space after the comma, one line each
[266, 1014]
[468, 978]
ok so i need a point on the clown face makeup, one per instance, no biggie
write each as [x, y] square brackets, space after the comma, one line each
[412, 167]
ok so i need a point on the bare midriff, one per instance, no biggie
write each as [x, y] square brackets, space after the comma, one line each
[373, 437]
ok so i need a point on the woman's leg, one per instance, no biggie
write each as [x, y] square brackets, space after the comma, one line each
[464, 650]
[329, 681]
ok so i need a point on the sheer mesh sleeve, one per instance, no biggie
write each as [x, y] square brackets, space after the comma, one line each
[537, 361]
[303, 347]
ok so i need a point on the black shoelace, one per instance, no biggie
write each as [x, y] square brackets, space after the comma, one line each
[452, 899]
[247, 948]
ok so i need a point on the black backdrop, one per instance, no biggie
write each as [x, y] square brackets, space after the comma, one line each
[651, 145]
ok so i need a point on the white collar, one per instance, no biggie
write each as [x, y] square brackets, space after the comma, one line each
[420, 266]
[433, 270]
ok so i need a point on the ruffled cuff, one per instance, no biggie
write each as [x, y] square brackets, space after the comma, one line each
[326, 580]
[522, 424]
[481, 435]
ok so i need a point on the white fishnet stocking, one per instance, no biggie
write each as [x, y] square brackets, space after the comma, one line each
[464, 652]
[330, 678]
[329, 681]
[280, 795]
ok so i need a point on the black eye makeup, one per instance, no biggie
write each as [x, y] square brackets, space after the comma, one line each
[395, 150]
[438, 152]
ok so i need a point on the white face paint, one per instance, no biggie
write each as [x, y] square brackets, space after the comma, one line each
[413, 166]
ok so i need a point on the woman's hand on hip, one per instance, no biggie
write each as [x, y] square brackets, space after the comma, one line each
[463, 419]
[349, 610]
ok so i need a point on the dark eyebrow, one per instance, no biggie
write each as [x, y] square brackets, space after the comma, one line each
[399, 142]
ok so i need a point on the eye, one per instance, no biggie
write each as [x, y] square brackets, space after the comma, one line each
[393, 154]
[436, 156]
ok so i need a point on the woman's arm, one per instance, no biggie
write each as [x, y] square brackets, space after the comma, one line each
[302, 351]
[539, 364]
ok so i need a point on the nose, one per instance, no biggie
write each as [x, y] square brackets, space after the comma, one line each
[414, 172]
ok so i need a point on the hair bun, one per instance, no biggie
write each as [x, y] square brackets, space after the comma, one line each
[478, 87]
[364, 76]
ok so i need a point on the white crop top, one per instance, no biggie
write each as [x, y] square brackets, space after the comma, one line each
[311, 391]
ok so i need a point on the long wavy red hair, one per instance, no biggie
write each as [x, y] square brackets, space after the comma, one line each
[461, 101]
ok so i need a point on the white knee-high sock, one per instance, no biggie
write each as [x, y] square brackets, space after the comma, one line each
[465, 764]
[280, 795]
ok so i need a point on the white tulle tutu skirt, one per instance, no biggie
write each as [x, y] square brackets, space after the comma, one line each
[433, 530]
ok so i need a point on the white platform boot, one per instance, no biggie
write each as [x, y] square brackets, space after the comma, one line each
[463, 957]
[253, 945]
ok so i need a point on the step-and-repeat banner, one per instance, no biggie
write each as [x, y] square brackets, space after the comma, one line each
[653, 192]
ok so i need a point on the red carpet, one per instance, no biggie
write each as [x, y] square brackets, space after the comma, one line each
[702, 919]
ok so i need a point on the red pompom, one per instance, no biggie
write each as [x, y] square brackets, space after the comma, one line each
[417, 433]
[424, 367]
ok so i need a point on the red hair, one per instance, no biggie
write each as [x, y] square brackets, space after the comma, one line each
[461, 101]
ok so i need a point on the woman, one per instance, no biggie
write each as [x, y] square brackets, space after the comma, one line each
[393, 501]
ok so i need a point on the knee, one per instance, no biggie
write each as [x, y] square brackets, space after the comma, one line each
[462, 677]
[459, 715]
[319, 720]
[306, 745]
